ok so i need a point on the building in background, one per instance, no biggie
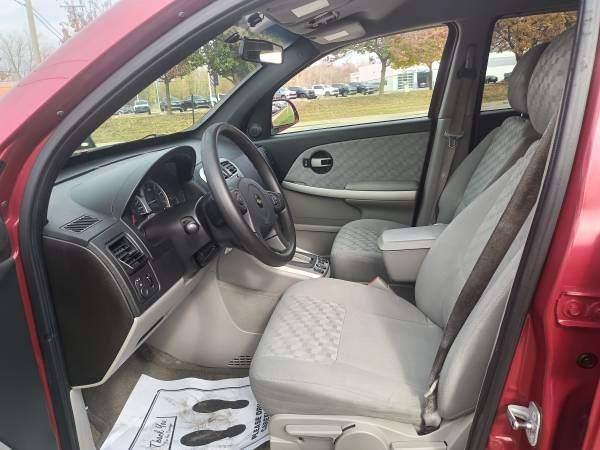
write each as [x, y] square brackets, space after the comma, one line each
[396, 79]
[500, 65]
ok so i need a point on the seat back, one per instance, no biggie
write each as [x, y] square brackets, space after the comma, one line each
[450, 261]
[500, 148]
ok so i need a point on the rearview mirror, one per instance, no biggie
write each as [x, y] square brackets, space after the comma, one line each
[259, 51]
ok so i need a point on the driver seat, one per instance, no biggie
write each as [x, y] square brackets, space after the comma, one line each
[334, 348]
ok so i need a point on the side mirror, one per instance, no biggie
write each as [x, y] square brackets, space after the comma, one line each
[259, 51]
[283, 115]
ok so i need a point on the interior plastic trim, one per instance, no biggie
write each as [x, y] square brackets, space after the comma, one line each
[348, 194]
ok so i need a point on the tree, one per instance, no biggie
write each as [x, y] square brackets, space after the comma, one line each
[80, 13]
[323, 72]
[222, 58]
[178, 71]
[16, 53]
[380, 47]
[419, 47]
[519, 34]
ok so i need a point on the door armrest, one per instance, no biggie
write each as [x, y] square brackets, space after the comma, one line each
[383, 186]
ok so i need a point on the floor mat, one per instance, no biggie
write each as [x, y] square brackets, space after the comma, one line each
[189, 413]
[105, 402]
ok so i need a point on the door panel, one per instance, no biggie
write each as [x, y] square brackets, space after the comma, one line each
[392, 159]
[365, 171]
[24, 419]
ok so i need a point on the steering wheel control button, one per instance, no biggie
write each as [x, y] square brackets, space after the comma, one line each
[240, 201]
[277, 201]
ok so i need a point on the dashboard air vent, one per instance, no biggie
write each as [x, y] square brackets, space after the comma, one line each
[81, 224]
[228, 169]
[126, 252]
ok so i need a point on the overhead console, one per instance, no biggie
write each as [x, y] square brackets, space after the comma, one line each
[122, 244]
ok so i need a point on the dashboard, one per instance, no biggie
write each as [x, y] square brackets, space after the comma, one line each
[118, 261]
[159, 191]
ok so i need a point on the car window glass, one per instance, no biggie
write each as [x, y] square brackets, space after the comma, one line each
[381, 79]
[512, 38]
[183, 95]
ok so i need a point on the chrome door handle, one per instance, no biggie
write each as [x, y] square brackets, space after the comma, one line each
[321, 162]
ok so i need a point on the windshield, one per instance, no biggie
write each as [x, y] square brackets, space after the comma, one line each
[183, 95]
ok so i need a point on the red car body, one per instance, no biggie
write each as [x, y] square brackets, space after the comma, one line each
[563, 324]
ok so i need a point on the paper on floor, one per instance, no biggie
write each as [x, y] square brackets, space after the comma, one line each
[189, 413]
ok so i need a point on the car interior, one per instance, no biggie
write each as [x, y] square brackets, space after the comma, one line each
[323, 262]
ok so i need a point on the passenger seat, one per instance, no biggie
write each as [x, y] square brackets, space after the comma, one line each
[355, 255]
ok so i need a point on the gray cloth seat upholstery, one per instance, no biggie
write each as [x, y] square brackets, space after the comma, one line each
[355, 255]
[344, 348]
[314, 357]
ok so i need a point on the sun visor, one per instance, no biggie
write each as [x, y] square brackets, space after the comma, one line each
[339, 32]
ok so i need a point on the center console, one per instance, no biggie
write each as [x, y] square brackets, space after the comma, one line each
[314, 265]
[405, 248]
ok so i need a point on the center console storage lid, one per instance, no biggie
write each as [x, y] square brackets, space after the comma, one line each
[409, 238]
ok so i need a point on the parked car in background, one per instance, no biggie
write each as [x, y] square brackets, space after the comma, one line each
[284, 93]
[141, 107]
[325, 90]
[319, 89]
[125, 109]
[331, 91]
[373, 87]
[176, 104]
[303, 93]
[195, 101]
[345, 89]
[491, 79]
[362, 88]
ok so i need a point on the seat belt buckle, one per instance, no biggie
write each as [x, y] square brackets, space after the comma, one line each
[379, 283]
[453, 138]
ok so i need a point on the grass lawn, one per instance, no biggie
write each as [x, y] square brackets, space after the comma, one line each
[136, 126]
[322, 112]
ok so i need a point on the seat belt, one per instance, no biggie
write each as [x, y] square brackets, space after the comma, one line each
[519, 206]
[456, 129]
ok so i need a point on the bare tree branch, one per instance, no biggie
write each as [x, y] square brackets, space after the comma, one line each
[16, 54]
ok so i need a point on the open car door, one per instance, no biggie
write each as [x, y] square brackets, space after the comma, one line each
[24, 411]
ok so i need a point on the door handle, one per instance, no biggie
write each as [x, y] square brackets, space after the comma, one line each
[321, 162]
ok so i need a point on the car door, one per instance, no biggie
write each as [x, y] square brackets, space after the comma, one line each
[362, 155]
[23, 414]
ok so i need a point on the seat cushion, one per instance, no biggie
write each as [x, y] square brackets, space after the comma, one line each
[336, 347]
[355, 255]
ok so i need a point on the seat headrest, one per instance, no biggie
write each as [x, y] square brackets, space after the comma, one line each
[518, 83]
[548, 81]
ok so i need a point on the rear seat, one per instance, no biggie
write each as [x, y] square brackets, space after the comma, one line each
[355, 255]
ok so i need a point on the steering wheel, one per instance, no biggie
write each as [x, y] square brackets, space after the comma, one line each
[259, 218]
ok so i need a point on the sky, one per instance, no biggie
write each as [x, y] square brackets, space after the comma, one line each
[13, 18]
